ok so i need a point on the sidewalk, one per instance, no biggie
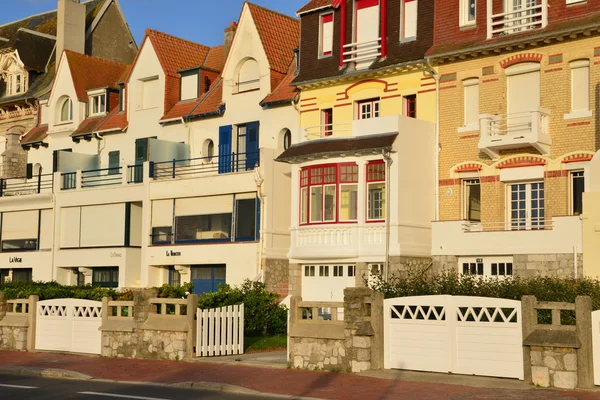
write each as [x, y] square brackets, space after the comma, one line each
[324, 385]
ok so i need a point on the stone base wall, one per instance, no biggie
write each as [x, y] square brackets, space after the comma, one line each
[554, 265]
[144, 345]
[327, 354]
[295, 280]
[276, 276]
[444, 263]
[554, 367]
[404, 265]
[13, 338]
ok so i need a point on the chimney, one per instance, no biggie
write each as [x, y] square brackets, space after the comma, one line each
[70, 27]
[229, 33]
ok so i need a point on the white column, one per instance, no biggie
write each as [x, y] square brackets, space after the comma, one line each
[362, 200]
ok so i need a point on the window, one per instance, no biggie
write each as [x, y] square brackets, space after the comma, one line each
[472, 200]
[245, 219]
[4, 275]
[174, 277]
[16, 83]
[207, 278]
[351, 270]
[498, 267]
[327, 122]
[527, 208]
[287, 139]
[468, 12]
[319, 188]
[214, 227]
[206, 84]
[22, 275]
[162, 235]
[577, 189]
[66, 110]
[376, 191]
[248, 76]
[98, 104]
[114, 162]
[309, 270]
[324, 270]
[471, 93]
[472, 268]
[326, 35]
[368, 109]
[502, 269]
[189, 85]
[580, 86]
[149, 93]
[121, 97]
[338, 270]
[105, 277]
[410, 106]
[409, 19]
[208, 150]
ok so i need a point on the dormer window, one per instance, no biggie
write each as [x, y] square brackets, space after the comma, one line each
[17, 83]
[13, 73]
[248, 76]
[190, 85]
[66, 110]
[98, 104]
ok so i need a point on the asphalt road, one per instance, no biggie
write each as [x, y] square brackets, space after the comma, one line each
[24, 387]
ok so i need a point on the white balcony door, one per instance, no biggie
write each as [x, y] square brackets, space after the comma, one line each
[527, 208]
[520, 18]
[367, 31]
[523, 97]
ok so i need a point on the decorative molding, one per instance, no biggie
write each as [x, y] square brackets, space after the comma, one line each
[521, 161]
[519, 58]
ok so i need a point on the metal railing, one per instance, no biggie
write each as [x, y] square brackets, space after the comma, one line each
[519, 224]
[515, 123]
[532, 15]
[102, 177]
[23, 185]
[363, 51]
[194, 167]
[68, 180]
[135, 173]
[320, 131]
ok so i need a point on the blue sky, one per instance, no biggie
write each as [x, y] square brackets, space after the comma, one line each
[200, 21]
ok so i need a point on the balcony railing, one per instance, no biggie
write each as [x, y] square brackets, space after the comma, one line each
[195, 167]
[24, 186]
[507, 131]
[362, 52]
[102, 177]
[320, 131]
[530, 15]
[135, 173]
[521, 224]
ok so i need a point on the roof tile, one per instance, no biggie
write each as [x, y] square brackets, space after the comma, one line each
[90, 72]
[35, 135]
[175, 53]
[284, 91]
[314, 5]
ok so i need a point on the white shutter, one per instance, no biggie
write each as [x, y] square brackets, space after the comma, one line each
[189, 87]
[70, 227]
[580, 85]
[327, 33]
[204, 205]
[410, 19]
[46, 229]
[103, 225]
[524, 92]
[471, 102]
[20, 225]
[162, 213]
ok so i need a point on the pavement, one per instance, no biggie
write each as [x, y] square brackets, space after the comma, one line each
[245, 377]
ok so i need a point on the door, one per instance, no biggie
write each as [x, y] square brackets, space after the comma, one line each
[251, 145]
[114, 162]
[225, 160]
[366, 31]
[527, 206]
[141, 150]
[207, 278]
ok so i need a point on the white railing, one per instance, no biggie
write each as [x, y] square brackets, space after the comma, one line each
[531, 15]
[512, 225]
[517, 123]
[320, 131]
[356, 52]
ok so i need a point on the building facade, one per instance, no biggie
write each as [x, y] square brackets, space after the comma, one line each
[517, 131]
[363, 175]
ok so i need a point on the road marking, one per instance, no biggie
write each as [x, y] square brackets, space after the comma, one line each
[18, 386]
[123, 396]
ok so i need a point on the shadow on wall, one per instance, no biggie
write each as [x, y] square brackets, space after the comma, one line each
[597, 117]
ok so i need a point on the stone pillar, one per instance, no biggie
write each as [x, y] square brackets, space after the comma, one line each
[192, 306]
[295, 283]
[528, 322]
[2, 305]
[32, 319]
[141, 305]
[585, 354]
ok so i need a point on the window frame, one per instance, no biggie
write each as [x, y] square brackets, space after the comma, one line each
[464, 9]
[572, 175]
[95, 104]
[376, 181]
[326, 126]
[322, 22]
[579, 65]
[467, 182]
[62, 103]
[373, 112]
[470, 83]
[112, 283]
[403, 37]
[408, 100]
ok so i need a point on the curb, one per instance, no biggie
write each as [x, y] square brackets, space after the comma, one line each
[56, 373]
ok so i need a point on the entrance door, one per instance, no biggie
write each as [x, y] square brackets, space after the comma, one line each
[206, 278]
[527, 208]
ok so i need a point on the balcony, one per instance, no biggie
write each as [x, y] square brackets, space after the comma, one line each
[509, 131]
[363, 54]
[26, 186]
[204, 166]
[362, 127]
[532, 14]
[102, 178]
[558, 235]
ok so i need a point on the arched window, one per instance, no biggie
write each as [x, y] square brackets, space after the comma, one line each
[66, 110]
[287, 139]
[248, 76]
[208, 150]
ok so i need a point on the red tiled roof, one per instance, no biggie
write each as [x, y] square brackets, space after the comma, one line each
[90, 72]
[211, 102]
[182, 109]
[314, 5]
[216, 58]
[284, 91]
[35, 135]
[279, 34]
[114, 121]
[175, 53]
[88, 125]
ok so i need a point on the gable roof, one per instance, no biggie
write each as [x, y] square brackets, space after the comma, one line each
[90, 72]
[216, 58]
[314, 5]
[284, 92]
[279, 34]
[35, 135]
[175, 54]
[212, 103]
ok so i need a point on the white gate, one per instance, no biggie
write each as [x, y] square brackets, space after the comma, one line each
[220, 331]
[596, 345]
[464, 335]
[69, 325]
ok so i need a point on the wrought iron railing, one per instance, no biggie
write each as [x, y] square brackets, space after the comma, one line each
[102, 177]
[194, 167]
[26, 185]
[68, 180]
[135, 173]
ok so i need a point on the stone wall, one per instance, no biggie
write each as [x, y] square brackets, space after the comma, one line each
[276, 276]
[554, 367]
[404, 265]
[444, 263]
[13, 338]
[313, 353]
[17, 323]
[295, 280]
[146, 345]
[554, 265]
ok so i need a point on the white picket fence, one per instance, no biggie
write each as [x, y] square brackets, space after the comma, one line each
[220, 331]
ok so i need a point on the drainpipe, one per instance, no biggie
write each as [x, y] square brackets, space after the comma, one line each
[429, 69]
[189, 134]
[258, 178]
[575, 261]
[388, 163]
[100, 139]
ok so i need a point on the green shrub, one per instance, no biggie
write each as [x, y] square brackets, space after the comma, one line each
[262, 314]
[452, 283]
[53, 290]
[174, 292]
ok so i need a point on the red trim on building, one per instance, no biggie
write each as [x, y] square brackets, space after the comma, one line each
[524, 161]
[490, 80]
[427, 84]
[556, 174]
[311, 110]
[388, 87]
[579, 123]
[448, 87]
[469, 136]
[391, 96]
[383, 24]
[342, 105]
[468, 168]
[577, 158]
[342, 31]
[308, 105]
[489, 179]
[308, 99]
[426, 91]
[553, 69]
[519, 58]
[449, 182]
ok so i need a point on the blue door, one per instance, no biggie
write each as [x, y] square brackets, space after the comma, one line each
[225, 149]
[206, 278]
[251, 145]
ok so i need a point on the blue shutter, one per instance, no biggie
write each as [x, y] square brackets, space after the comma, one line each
[251, 145]
[225, 149]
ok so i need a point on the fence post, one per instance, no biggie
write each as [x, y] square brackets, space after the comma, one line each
[192, 305]
[585, 354]
[39, 182]
[528, 321]
[1, 187]
[32, 318]
[2, 306]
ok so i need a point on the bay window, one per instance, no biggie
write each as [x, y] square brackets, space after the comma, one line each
[376, 190]
[348, 192]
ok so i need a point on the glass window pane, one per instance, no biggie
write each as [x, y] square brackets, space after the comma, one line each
[203, 227]
[316, 204]
[348, 202]
[245, 220]
[376, 201]
[578, 188]
[330, 203]
[304, 202]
